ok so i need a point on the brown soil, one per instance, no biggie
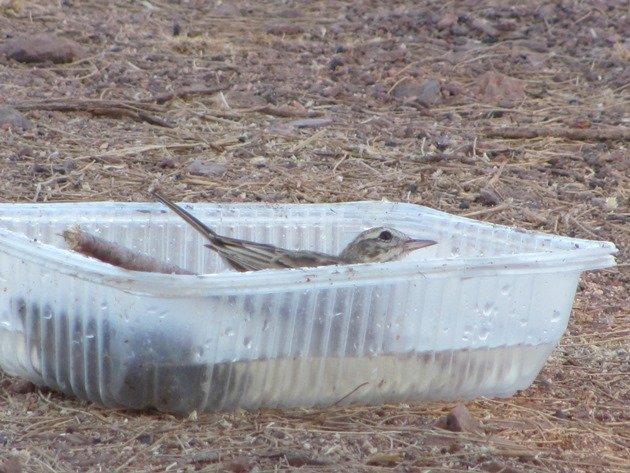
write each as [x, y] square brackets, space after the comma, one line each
[511, 114]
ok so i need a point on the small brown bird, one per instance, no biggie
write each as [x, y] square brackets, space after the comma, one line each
[376, 245]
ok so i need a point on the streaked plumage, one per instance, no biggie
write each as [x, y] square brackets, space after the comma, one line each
[379, 244]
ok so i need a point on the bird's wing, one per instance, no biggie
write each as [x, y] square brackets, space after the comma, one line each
[306, 259]
[252, 256]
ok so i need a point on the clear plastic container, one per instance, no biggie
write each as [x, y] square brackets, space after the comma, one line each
[475, 315]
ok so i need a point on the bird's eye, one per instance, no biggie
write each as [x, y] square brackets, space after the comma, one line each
[385, 235]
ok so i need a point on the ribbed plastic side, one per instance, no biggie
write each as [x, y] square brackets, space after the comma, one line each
[363, 335]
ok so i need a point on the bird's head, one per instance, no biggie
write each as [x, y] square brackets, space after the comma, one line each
[381, 244]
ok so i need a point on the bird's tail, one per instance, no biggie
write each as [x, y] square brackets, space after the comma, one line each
[191, 219]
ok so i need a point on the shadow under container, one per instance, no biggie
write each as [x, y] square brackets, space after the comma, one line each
[476, 315]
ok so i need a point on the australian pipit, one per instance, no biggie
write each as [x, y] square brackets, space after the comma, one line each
[375, 245]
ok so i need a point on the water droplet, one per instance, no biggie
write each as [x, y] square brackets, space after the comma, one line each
[247, 342]
[229, 332]
[455, 252]
[487, 309]
[505, 290]
[266, 325]
[468, 329]
[555, 316]
[199, 351]
[484, 332]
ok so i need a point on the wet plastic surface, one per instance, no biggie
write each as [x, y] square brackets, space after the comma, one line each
[477, 314]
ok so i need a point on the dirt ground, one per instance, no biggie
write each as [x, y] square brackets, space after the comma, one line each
[515, 115]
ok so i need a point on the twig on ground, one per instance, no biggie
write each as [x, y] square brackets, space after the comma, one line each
[311, 122]
[108, 108]
[185, 92]
[568, 133]
[286, 112]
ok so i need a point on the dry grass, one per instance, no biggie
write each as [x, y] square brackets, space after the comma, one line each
[243, 81]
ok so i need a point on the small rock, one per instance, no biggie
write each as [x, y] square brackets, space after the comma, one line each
[11, 118]
[299, 459]
[21, 386]
[547, 13]
[206, 168]
[290, 13]
[459, 29]
[609, 203]
[496, 467]
[427, 93]
[461, 420]
[246, 153]
[237, 99]
[452, 89]
[259, 161]
[488, 197]
[144, 439]
[11, 8]
[287, 29]
[335, 62]
[406, 89]
[11, 464]
[385, 459]
[240, 464]
[65, 167]
[560, 414]
[37, 167]
[482, 25]
[430, 93]
[25, 151]
[167, 163]
[311, 122]
[443, 141]
[448, 19]
[43, 48]
[496, 88]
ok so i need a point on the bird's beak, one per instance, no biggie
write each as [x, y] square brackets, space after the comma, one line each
[411, 244]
